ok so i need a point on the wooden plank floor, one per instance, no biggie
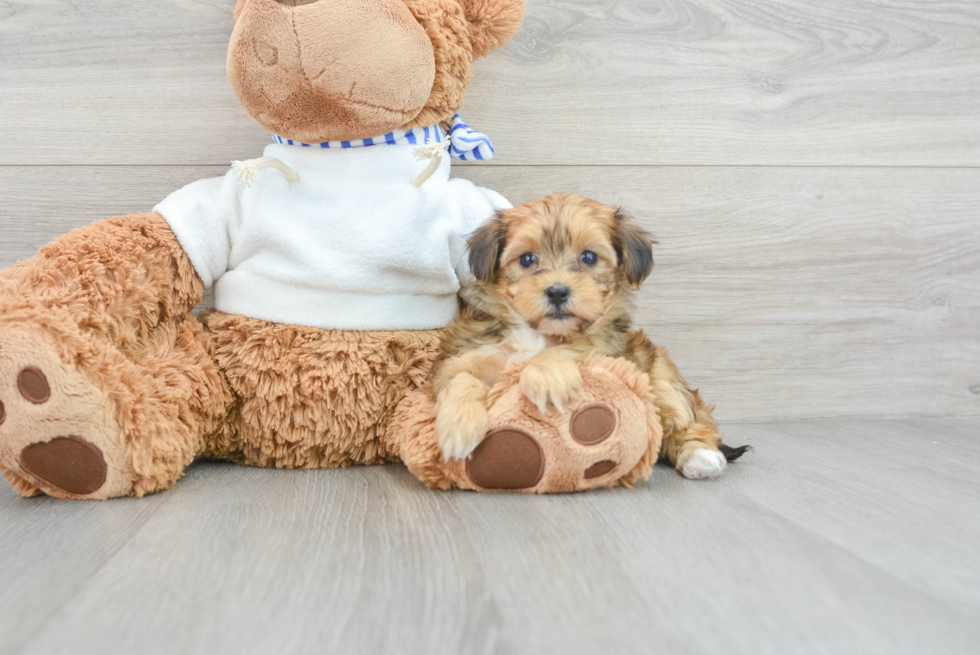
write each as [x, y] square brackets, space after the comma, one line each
[833, 536]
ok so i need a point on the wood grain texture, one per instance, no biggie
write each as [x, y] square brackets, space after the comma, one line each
[831, 536]
[780, 292]
[48, 555]
[884, 494]
[789, 82]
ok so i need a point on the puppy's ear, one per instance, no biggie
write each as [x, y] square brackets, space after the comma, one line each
[486, 246]
[633, 247]
[492, 23]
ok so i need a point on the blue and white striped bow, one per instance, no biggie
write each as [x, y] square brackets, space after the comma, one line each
[465, 144]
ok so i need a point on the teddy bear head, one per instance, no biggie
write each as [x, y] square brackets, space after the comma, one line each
[329, 70]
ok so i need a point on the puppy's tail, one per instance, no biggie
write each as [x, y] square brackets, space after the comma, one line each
[731, 454]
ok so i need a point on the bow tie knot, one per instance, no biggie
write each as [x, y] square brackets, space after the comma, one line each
[467, 144]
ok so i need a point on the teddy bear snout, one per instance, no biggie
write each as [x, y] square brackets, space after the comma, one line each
[331, 71]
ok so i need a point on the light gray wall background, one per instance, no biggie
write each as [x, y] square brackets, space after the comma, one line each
[810, 169]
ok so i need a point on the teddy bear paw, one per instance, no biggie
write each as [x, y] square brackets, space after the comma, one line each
[56, 436]
[607, 436]
[510, 458]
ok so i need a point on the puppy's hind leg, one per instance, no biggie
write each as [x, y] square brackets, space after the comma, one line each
[691, 439]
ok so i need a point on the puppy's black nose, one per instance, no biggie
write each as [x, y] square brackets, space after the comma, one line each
[558, 294]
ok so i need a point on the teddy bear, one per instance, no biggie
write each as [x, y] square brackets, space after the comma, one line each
[335, 260]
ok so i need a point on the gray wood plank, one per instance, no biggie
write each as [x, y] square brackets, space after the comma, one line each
[800, 292]
[360, 560]
[710, 573]
[900, 494]
[50, 550]
[367, 560]
[887, 82]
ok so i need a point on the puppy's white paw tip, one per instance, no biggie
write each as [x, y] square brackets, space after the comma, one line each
[703, 464]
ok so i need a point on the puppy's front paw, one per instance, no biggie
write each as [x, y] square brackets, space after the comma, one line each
[551, 384]
[703, 463]
[460, 427]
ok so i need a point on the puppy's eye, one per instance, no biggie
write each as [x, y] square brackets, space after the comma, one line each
[589, 258]
[529, 259]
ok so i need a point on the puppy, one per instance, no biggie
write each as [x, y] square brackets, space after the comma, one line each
[554, 280]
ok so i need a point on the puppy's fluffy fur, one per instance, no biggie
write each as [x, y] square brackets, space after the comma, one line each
[554, 280]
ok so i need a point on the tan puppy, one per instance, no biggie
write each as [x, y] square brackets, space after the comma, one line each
[554, 282]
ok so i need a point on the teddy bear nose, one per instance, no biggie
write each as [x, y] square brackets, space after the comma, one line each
[295, 3]
[558, 294]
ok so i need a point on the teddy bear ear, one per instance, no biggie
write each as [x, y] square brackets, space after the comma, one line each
[239, 5]
[492, 23]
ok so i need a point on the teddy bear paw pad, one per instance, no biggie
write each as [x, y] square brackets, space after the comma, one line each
[507, 458]
[592, 424]
[69, 463]
[599, 469]
[33, 385]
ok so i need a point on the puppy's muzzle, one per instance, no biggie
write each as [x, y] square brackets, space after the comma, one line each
[558, 294]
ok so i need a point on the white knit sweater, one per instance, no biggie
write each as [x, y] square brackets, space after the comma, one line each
[352, 245]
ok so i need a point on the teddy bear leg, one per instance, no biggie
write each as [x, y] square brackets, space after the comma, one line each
[82, 420]
[608, 436]
[106, 387]
[56, 435]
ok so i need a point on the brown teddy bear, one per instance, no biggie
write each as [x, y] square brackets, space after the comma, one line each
[335, 259]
